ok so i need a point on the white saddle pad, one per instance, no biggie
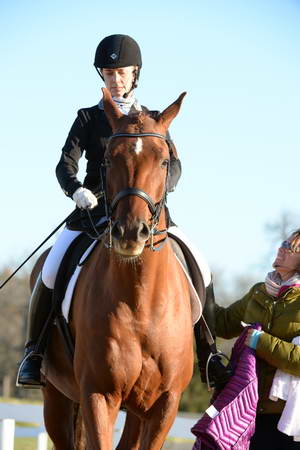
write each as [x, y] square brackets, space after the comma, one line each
[203, 267]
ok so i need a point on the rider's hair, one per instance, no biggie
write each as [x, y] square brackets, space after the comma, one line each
[295, 242]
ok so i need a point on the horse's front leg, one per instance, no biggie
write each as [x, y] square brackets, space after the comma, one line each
[159, 421]
[99, 414]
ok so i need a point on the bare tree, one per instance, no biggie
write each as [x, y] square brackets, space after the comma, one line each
[282, 227]
[14, 297]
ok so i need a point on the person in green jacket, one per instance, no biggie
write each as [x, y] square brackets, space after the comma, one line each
[275, 304]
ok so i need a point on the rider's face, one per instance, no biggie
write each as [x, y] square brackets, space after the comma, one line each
[119, 81]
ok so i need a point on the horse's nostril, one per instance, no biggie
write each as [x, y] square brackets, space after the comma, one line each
[144, 231]
[137, 232]
[117, 230]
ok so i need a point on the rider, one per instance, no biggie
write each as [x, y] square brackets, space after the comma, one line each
[118, 62]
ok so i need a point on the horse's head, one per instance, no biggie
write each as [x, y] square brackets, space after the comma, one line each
[137, 162]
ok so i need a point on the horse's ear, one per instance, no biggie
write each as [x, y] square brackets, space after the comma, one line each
[166, 117]
[111, 110]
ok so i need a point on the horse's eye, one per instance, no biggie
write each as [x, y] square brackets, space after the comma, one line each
[165, 163]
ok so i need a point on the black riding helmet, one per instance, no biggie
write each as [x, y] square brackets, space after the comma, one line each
[118, 50]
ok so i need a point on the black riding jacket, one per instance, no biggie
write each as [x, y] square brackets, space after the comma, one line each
[89, 134]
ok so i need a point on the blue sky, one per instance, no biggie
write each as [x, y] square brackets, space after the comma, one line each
[237, 133]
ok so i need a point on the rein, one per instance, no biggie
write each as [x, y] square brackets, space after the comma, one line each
[155, 208]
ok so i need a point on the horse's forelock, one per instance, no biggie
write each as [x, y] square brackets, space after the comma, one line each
[137, 122]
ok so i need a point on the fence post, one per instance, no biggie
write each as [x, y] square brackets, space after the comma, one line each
[7, 434]
[42, 441]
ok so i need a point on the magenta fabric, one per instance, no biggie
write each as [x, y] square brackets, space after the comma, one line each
[284, 288]
[234, 426]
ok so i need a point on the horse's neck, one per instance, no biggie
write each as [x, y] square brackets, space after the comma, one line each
[144, 281]
[136, 274]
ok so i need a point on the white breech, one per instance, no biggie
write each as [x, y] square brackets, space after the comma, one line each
[56, 255]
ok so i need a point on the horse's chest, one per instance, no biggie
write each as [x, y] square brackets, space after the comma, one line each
[146, 386]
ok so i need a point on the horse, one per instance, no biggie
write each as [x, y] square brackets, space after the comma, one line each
[131, 314]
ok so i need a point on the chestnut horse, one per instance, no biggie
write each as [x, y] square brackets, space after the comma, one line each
[131, 314]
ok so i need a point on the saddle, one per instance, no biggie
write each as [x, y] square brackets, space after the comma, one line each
[187, 260]
[72, 259]
[66, 269]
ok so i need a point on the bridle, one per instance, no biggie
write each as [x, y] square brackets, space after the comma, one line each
[155, 208]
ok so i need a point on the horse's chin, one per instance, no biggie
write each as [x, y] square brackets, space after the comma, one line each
[128, 252]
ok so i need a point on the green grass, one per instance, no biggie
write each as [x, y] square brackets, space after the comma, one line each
[20, 401]
[28, 444]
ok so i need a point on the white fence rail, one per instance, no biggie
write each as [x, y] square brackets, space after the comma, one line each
[10, 413]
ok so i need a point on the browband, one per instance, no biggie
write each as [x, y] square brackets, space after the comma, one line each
[160, 136]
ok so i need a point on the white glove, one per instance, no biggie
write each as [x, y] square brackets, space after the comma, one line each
[84, 198]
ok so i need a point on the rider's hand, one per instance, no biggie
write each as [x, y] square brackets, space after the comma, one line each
[84, 198]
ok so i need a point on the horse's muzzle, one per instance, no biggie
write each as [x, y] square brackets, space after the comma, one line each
[129, 240]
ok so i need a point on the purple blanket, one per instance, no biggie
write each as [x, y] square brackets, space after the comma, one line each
[229, 422]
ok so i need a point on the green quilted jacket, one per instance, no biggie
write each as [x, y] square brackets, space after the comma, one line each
[280, 320]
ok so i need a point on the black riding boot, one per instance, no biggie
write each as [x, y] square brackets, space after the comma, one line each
[39, 322]
[218, 374]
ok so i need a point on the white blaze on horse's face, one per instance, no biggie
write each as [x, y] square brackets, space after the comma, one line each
[138, 146]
